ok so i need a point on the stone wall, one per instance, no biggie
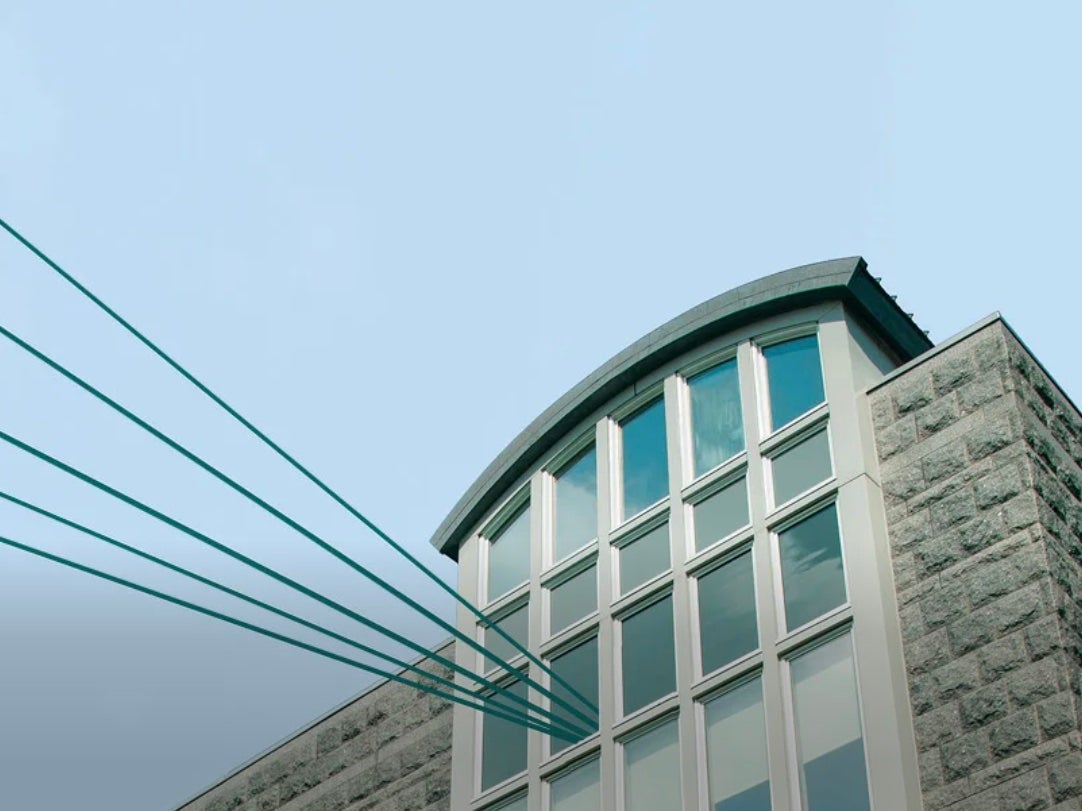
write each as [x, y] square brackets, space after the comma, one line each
[387, 750]
[980, 460]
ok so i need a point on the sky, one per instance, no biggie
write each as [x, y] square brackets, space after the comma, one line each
[391, 234]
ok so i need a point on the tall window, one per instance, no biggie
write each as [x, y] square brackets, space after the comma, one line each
[509, 555]
[736, 763]
[727, 628]
[648, 664]
[829, 738]
[644, 557]
[572, 599]
[578, 667]
[794, 377]
[645, 465]
[720, 514]
[800, 467]
[515, 624]
[575, 504]
[717, 426]
[503, 744]
[813, 580]
[577, 790]
[652, 769]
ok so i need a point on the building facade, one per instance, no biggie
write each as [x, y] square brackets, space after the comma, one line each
[794, 555]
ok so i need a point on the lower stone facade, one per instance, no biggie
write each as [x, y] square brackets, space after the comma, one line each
[387, 750]
[981, 463]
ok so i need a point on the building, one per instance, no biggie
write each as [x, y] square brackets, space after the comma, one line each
[796, 555]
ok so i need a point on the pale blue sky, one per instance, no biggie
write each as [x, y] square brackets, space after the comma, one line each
[392, 234]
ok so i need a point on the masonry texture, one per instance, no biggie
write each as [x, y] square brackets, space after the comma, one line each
[981, 464]
[387, 750]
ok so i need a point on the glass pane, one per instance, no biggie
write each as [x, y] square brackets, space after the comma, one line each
[795, 377]
[503, 744]
[509, 556]
[831, 746]
[721, 514]
[727, 627]
[717, 427]
[572, 600]
[576, 505]
[736, 750]
[652, 770]
[579, 668]
[811, 567]
[516, 625]
[801, 467]
[644, 558]
[646, 465]
[647, 657]
[517, 804]
[579, 790]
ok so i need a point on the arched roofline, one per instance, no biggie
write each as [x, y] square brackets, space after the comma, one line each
[844, 280]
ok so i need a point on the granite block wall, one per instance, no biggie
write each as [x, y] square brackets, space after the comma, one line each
[387, 750]
[981, 465]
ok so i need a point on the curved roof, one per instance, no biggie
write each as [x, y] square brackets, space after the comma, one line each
[845, 280]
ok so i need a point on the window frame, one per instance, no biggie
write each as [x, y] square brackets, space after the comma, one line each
[508, 512]
[762, 379]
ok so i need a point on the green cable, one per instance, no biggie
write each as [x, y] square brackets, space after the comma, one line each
[281, 578]
[282, 638]
[259, 603]
[274, 511]
[485, 620]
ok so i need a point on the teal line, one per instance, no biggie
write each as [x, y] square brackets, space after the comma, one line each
[282, 638]
[259, 603]
[281, 578]
[485, 620]
[274, 511]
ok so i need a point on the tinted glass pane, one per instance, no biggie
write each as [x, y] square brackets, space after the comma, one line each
[795, 377]
[509, 556]
[717, 427]
[828, 729]
[644, 558]
[721, 514]
[811, 567]
[652, 770]
[647, 658]
[646, 466]
[515, 625]
[801, 467]
[503, 745]
[576, 505]
[579, 668]
[572, 600]
[518, 804]
[579, 790]
[736, 750]
[727, 613]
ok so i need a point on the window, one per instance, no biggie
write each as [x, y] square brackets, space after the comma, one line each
[503, 744]
[727, 628]
[720, 514]
[652, 769]
[575, 505]
[509, 555]
[794, 377]
[717, 427]
[736, 761]
[829, 739]
[645, 466]
[578, 790]
[517, 804]
[572, 599]
[647, 657]
[644, 558]
[516, 625]
[578, 667]
[799, 468]
[813, 580]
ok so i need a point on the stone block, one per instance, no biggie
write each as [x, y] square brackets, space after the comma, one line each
[1014, 734]
[965, 755]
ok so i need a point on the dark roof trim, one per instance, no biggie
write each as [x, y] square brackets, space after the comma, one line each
[845, 280]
